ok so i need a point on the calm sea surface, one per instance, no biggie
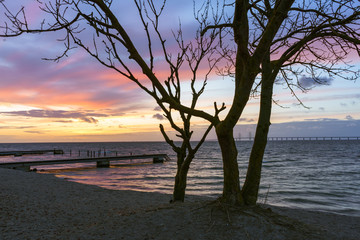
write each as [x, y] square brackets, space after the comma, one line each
[322, 175]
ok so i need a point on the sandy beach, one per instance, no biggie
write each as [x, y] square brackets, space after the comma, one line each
[41, 206]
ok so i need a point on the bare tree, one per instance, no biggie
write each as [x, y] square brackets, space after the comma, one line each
[282, 40]
[112, 46]
[271, 39]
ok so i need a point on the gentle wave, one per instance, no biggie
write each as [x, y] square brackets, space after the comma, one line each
[321, 175]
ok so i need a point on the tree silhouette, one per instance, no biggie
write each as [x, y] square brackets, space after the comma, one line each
[112, 46]
[280, 41]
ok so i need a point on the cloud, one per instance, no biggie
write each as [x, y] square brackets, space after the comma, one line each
[64, 121]
[309, 82]
[76, 81]
[159, 116]
[321, 119]
[158, 109]
[89, 120]
[36, 132]
[85, 116]
[16, 127]
[246, 120]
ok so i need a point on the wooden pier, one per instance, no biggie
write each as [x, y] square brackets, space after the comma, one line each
[20, 153]
[100, 161]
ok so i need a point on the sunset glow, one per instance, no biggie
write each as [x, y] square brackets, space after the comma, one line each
[78, 99]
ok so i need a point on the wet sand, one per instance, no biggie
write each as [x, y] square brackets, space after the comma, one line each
[41, 206]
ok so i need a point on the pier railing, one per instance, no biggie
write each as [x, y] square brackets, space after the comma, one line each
[21, 153]
[100, 161]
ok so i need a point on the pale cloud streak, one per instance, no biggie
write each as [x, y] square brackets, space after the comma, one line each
[248, 120]
[309, 82]
[16, 127]
[85, 116]
[35, 132]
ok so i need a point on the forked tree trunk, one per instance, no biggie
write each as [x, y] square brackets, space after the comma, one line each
[252, 182]
[231, 190]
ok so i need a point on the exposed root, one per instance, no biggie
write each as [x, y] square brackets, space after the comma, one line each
[261, 213]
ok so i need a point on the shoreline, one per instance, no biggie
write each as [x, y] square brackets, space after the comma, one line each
[42, 206]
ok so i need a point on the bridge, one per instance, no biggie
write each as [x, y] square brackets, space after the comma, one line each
[299, 138]
[100, 161]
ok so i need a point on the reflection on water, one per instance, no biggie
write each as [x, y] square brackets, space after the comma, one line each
[322, 175]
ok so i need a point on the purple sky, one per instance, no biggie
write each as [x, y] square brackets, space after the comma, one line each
[78, 99]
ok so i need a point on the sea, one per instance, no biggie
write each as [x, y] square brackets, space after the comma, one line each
[321, 175]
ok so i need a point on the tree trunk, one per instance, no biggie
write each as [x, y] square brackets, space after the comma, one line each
[252, 182]
[183, 165]
[231, 190]
[180, 182]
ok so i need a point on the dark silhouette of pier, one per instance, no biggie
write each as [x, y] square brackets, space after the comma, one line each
[100, 161]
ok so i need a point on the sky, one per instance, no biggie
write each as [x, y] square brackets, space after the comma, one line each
[79, 100]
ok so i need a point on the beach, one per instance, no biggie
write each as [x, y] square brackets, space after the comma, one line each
[41, 206]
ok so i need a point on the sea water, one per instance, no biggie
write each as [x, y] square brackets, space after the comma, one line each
[320, 175]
